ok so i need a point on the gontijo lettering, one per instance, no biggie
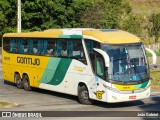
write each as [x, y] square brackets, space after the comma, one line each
[28, 60]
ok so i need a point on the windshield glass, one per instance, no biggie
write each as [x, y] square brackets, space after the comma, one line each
[127, 62]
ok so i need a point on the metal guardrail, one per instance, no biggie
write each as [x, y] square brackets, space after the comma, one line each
[154, 67]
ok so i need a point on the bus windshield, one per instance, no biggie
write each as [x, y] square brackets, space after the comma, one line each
[127, 62]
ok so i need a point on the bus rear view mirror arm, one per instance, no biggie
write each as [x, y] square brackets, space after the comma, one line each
[104, 54]
[154, 56]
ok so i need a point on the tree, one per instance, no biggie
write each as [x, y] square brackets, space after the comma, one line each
[93, 16]
[154, 27]
[7, 16]
[132, 24]
[40, 15]
[115, 12]
[106, 14]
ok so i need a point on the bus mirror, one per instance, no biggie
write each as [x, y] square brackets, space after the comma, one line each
[154, 56]
[104, 54]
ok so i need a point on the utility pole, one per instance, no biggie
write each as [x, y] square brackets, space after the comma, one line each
[19, 17]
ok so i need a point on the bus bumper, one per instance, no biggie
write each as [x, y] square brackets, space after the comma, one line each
[113, 97]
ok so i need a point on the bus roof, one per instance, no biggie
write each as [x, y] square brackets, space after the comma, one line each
[110, 36]
[35, 34]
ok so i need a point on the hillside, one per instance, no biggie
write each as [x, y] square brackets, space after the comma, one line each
[145, 7]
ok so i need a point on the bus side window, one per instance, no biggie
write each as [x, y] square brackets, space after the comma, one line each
[26, 45]
[7, 44]
[39, 47]
[99, 65]
[14, 45]
[21, 46]
[30, 46]
[61, 48]
[76, 50]
[51, 47]
[44, 47]
[90, 44]
[35, 46]
[64, 48]
[58, 48]
[70, 47]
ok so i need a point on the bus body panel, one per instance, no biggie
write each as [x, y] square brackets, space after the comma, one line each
[65, 77]
[114, 97]
[64, 74]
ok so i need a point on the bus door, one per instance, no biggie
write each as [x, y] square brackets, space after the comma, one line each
[98, 66]
[99, 60]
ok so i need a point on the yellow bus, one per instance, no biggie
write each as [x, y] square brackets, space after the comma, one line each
[107, 65]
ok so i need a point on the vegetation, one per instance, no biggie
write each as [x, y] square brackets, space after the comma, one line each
[157, 53]
[39, 15]
[150, 55]
[155, 79]
[154, 28]
[145, 7]
[6, 104]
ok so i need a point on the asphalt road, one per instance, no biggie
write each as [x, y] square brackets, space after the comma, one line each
[42, 100]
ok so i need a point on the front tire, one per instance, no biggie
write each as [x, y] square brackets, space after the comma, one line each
[26, 83]
[18, 81]
[83, 95]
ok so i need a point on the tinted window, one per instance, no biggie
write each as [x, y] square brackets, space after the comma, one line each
[62, 48]
[34, 46]
[90, 44]
[23, 46]
[6, 44]
[49, 47]
[76, 50]
[100, 66]
[14, 45]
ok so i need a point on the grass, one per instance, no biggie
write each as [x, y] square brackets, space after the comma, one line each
[155, 79]
[5, 104]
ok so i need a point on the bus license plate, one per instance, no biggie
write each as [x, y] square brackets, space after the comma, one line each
[132, 97]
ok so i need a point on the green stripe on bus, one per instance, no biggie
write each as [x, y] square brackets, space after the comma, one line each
[71, 36]
[144, 84]
[60, 72]
[50, 70]
[55, 71]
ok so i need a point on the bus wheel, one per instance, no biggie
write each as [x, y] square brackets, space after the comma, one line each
[18, 81]
[26, 83]
[83, 95]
